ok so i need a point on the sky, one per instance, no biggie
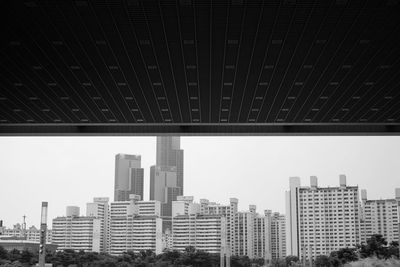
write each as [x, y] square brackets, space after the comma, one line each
[69, 171]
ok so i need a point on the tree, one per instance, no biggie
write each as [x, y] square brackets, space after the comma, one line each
[334, 262]
[376, 246]
[14, 255]
[28, 257]
[279, 263]
[3, 253]
[393, 249]
[170, 256]
[347, 255]
[322, 261]
[291, 259]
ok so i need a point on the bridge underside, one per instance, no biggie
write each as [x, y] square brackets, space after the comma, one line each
[236, 67]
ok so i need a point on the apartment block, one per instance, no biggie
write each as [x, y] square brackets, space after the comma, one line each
[278, 235]
[77, 232]
[99, 209]
[320, 220]
[31, 234]
[380, 217]
[135, 225]
[190, 228]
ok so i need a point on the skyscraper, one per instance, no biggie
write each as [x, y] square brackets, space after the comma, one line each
[163, 187]
[166, 177]
[170, 154]
[128, 177]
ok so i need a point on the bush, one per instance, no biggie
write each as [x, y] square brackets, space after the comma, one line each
[375, 262]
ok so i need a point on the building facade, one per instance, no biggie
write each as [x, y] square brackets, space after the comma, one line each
[32, 234]
[99, 209]
[278, 235]
[135, 225]
[320, 220]
[77, 232]
[129, 177]
[170, 154]
[227, 211]
[191, 228]
[239, 233]
[164, 188]
[380, 217]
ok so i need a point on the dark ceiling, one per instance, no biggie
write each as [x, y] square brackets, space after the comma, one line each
[200, 67]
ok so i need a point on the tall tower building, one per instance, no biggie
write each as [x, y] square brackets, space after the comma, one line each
[163, 188]
[166, 177]
[128, 177]
[170, 154]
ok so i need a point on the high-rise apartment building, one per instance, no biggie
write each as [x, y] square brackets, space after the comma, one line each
[201, 231]
[278, 235]
[380, 217]
[252, 234]
[190, 228]
[320, 220]
[99, 209]
[184, 205]
[243, 233]
[77, 232]
[135, 225]
[145, 233]
[128, 177]
[229, 212]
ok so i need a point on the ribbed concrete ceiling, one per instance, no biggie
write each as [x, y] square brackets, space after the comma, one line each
[142, 67]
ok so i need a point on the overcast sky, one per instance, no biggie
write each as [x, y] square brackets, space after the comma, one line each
[72, 170]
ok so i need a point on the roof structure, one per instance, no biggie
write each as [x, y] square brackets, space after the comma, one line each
[135, 67]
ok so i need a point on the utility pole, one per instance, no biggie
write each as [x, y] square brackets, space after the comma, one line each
[24, 227]
[43, 230]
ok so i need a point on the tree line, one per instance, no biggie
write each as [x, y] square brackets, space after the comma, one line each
[375, 247]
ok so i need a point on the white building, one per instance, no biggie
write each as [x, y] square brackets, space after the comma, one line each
[99, 209]
[190, 228]
[135, 225]
[227, 211]
[278, 235]
[320, 220]
[145, 233]
[149, 208]
[77, 232]
[252, 236]
[184, 205]
[204, 225]
[31, 234]
[380, 217]
[167, 240]
[121, 215]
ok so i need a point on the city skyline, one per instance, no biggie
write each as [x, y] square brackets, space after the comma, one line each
[195, 151]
